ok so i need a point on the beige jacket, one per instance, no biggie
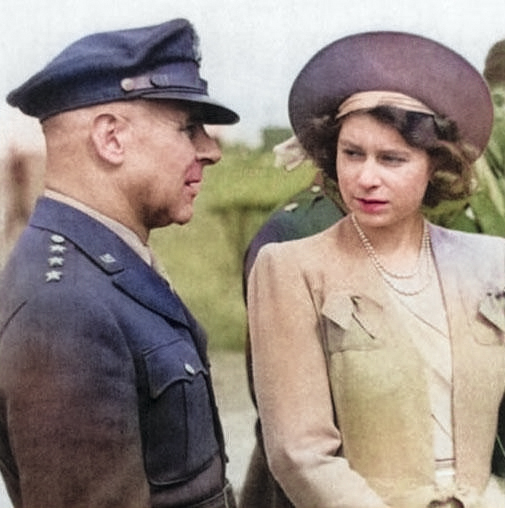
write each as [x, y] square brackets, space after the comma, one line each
[318, 302]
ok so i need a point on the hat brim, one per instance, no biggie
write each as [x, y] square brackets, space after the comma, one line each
[214, 113]
[398, 62]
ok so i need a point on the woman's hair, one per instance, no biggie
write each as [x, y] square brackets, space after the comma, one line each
[451, 169]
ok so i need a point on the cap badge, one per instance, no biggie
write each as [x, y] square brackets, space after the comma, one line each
[196, 48]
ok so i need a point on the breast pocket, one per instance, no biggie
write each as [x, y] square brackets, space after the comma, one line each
[353, 323]
[489, 328]
[180, 431]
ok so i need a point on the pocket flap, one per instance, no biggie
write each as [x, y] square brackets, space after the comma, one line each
[343, 308]
[168, 364]
[492, 307]
[339, 309]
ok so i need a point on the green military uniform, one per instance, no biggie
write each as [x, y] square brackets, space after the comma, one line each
[307, 213]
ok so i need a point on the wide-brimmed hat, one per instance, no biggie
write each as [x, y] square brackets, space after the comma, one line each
[154, 62]
[397, 62]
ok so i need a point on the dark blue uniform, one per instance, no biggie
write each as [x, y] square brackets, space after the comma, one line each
[105, 391]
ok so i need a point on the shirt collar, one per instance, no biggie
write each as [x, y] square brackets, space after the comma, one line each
[126, 234]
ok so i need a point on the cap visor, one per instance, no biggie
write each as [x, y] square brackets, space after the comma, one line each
[214, 113]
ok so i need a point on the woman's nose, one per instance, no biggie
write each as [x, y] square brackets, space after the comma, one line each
[369, 173]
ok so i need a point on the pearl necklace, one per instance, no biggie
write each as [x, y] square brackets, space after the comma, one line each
[390, 277]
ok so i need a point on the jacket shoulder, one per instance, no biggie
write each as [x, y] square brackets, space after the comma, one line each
[45, 266]
[478, 241]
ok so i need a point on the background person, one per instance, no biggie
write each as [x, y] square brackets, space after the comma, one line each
[105, 391]
[406, 413]
[484, 210]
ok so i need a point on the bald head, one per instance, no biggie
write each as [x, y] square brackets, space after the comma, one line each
[66, 136]
[86, 154]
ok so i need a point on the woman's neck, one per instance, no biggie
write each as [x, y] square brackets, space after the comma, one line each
[397, 247]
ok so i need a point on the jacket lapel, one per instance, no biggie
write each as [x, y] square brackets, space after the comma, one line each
[144, 285]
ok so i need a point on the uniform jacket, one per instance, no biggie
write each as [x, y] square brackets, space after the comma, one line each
[105, 394]
[341, 391]
[308, 212]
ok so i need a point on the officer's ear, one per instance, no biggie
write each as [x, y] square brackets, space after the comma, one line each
[107, 137]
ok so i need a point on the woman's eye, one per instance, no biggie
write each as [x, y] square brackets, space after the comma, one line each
[393, 159]
[351, 153]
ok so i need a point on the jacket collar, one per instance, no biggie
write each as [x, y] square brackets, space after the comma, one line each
[112, 255]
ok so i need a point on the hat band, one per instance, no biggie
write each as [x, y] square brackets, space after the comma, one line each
[186, 81]
[375, 98]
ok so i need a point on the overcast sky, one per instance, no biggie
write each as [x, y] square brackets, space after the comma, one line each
[252, 50]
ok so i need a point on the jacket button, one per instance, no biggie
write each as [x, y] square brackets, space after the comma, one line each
[189, 369]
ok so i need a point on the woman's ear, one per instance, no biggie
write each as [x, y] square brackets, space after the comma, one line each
[107, 136]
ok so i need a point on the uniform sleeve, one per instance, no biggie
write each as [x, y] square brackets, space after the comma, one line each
[70, 403]
[292, 389]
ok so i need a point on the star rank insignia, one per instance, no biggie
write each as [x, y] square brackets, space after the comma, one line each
[55, 261]
[57, 249]
[53, 276]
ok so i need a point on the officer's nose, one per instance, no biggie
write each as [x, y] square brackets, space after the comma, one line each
[207, 148]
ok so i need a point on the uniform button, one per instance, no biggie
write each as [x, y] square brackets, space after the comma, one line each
[127, 84]
[57, 238]
[189, 369]
[291, 207]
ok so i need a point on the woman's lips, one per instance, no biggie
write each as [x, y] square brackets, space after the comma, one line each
[371, 205]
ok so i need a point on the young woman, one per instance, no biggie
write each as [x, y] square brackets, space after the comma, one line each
[378, 345]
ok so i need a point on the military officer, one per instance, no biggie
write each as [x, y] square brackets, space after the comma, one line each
[105, 391]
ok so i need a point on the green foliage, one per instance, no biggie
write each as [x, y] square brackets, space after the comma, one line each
[204, 258]
[274, 135]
